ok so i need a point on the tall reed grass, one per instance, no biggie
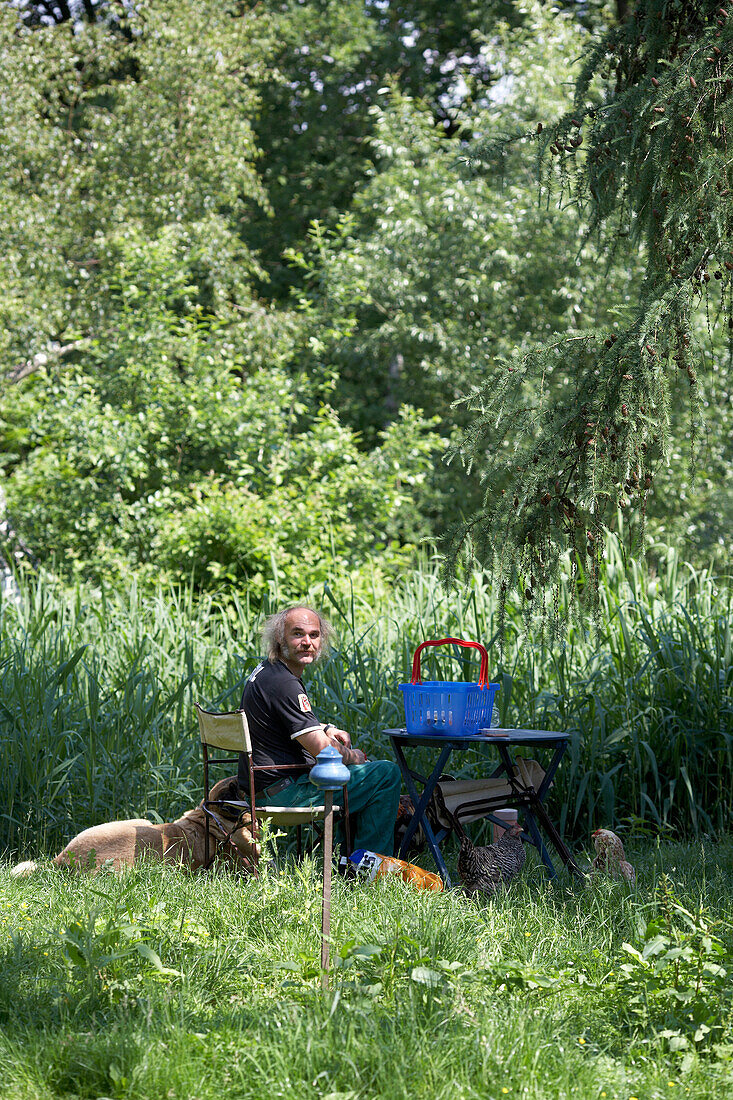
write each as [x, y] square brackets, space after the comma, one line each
[96, 692]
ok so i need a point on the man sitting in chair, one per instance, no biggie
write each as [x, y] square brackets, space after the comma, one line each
[284, 730]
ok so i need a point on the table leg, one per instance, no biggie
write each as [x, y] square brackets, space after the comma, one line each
[436, 853]
[536, 810]
[551, 769]
[561, 847]
[420, 802]
[538, 841]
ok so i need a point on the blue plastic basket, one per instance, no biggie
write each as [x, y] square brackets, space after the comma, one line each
[446, 707]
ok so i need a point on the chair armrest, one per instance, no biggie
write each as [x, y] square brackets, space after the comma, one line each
[281, 767]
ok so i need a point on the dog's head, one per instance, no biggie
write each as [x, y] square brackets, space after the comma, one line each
[227, 790]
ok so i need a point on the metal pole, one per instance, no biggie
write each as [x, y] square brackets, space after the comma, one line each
[327, 861]
[330, 774]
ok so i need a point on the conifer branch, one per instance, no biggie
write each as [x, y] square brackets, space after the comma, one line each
[646, 159]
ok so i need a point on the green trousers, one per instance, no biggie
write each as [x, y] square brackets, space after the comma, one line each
[374, 795]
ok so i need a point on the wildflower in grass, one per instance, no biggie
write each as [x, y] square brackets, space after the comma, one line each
[581, 1040]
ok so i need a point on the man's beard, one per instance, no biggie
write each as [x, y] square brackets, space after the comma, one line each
[288, 654]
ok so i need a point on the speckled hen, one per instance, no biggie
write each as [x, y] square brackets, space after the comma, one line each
[487, 869]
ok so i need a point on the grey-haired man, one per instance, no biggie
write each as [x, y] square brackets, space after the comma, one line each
[285, 730]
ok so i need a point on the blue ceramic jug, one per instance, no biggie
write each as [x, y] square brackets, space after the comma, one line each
[329, 773]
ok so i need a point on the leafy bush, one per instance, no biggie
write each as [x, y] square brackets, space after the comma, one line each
[677, 984]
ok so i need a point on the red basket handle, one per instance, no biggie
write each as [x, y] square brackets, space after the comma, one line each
[483, 675]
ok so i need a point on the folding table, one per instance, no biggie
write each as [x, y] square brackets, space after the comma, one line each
[521, 795]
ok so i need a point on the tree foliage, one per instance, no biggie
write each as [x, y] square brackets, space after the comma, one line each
[644, 154]
[171, 172]
[332, 62]
[433, 276]
[152, 415]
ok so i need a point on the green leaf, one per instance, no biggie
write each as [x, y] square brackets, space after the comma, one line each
[150, 956]
[423, 975]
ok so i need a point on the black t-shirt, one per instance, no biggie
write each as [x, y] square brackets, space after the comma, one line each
[278, 711]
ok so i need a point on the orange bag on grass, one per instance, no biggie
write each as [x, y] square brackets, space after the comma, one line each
[372, 865]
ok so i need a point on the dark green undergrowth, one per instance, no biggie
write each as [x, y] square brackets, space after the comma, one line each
[159, 984]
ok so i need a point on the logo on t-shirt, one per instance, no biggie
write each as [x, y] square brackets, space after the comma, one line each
[304, 703]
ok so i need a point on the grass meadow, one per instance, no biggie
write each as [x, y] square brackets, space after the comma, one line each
[158, 984]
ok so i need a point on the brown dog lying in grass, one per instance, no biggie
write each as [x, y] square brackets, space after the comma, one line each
[119, 844]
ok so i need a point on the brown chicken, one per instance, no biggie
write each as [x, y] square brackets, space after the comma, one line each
[611, 858]
[487, 869]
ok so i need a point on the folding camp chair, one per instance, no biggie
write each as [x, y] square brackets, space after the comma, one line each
[229, 732]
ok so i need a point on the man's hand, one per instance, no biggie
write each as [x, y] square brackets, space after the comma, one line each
[314, 741]
[341, 736]
[353, 756]
[341, 740]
